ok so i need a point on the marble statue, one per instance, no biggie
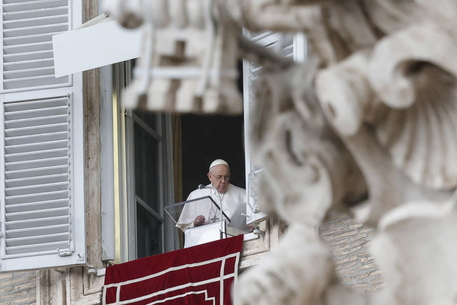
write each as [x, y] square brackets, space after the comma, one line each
[370, 118]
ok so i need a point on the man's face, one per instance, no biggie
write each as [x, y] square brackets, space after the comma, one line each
[219, 176]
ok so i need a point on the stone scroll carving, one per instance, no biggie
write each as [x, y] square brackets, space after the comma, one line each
[188, 59]
[371, 117]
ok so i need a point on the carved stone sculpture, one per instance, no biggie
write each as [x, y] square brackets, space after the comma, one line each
[369, 118]
[188, 61]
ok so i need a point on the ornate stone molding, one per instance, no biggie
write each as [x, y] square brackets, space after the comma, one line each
[371, 117]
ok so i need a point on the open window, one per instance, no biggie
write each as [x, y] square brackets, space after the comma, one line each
[149, 167]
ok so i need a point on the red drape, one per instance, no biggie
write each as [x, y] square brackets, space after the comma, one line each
[197, 275]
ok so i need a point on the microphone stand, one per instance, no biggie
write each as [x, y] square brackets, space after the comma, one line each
[222, 222]
[221, 230]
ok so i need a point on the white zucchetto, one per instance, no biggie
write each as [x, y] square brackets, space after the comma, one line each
[218, 162]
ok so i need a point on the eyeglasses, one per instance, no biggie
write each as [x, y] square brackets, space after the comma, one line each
[220, 177]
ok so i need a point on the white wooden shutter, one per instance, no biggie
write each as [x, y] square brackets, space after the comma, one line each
[28, 27]
[41, 141]
[289, 45]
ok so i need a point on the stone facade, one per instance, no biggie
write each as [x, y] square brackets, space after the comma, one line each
[349, 242]
[18, 288]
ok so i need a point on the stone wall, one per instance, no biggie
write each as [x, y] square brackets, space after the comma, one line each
[349, 242]
[18, 288]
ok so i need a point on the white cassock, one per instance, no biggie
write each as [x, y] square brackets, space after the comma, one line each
[229, 201]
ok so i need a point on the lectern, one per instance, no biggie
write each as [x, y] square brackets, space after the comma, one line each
[184, 213]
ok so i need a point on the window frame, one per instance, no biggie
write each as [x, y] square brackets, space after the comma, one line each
[120, 235]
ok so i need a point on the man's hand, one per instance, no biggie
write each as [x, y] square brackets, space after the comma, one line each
[199, 220]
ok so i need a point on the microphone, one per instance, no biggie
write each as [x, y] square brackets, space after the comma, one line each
[208, 187]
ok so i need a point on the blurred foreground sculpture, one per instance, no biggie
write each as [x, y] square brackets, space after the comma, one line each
[188, 61]
[369, 118]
